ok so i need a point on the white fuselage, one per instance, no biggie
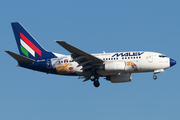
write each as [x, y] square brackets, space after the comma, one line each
[122, 63]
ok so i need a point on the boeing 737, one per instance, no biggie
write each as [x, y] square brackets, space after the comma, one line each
[115, 67]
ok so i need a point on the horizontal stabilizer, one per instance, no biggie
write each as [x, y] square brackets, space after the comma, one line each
[20, 58]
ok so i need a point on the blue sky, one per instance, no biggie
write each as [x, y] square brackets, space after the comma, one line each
[93, 26]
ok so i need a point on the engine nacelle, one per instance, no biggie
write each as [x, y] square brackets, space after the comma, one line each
[114, 66]
[120, 78]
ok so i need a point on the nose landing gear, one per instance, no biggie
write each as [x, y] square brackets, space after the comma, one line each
[156, 72]
[154, 77]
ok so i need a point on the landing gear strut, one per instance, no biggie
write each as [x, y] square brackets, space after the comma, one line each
[95, 80]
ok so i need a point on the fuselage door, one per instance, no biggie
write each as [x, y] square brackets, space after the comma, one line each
[48, 63]
[150, 58]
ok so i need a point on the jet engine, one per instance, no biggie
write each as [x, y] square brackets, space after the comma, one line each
[119, 78]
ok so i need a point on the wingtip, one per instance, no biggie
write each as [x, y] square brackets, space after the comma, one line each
[59, 41]
[6, 51]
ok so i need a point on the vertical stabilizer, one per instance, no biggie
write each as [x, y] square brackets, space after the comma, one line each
[27, 45]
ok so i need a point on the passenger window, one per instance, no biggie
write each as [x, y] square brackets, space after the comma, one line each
[65, 61]
[116, 58]
[103, 58]
[111, 58]
[123, 58]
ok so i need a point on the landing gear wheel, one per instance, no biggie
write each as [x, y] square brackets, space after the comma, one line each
[96, 83]
[154, 77]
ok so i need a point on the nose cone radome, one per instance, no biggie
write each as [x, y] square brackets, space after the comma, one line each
[172, 62]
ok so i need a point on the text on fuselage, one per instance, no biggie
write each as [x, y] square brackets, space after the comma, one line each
[128, 54]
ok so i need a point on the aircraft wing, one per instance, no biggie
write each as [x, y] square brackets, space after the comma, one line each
[84, 59]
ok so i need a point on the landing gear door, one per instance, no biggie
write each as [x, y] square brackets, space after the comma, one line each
[48, 63]
[150, 58]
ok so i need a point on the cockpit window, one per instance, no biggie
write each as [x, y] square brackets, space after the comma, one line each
[162, 56]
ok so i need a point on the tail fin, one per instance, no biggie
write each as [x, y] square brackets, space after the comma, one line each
[27, 45]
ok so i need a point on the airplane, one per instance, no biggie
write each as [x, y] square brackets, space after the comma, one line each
[116, 67]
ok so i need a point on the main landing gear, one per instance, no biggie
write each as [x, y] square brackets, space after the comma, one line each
[95, 80]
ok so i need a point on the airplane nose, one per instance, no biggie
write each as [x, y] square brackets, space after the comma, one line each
[172, 62]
